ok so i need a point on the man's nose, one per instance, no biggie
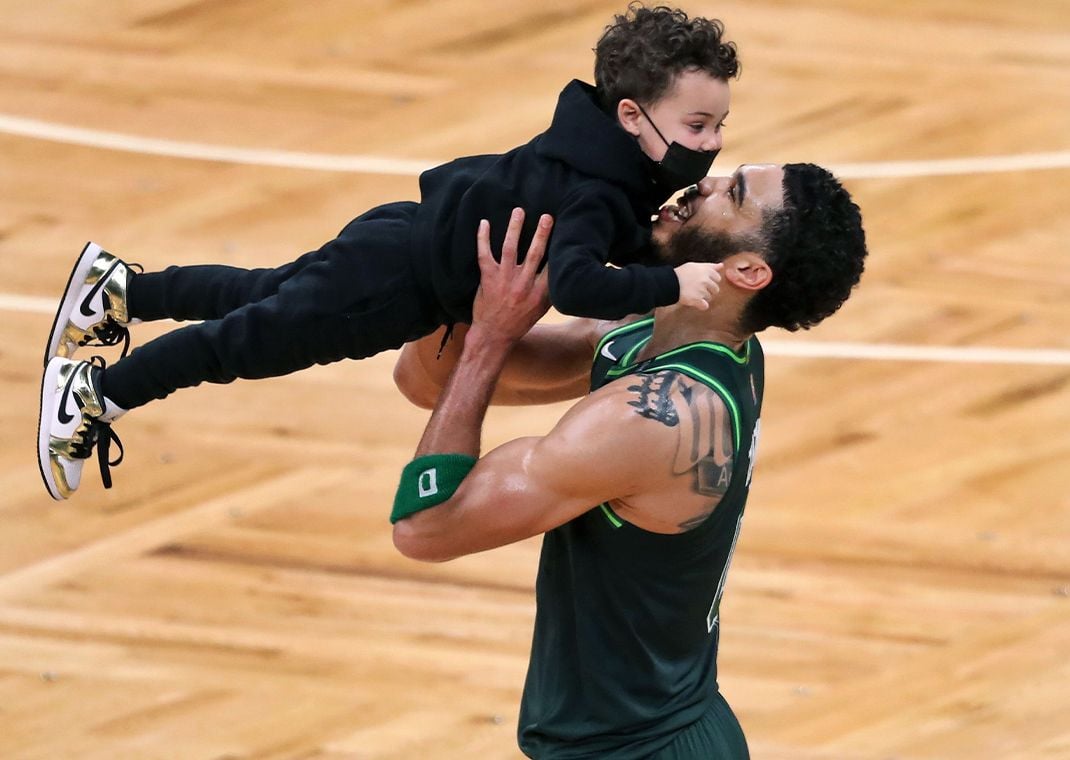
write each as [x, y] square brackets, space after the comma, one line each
[707, 185]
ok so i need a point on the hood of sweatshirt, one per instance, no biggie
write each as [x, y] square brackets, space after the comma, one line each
[588, 139]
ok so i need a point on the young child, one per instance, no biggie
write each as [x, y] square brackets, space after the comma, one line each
[612, 155]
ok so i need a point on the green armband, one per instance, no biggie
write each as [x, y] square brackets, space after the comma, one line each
[428, 481]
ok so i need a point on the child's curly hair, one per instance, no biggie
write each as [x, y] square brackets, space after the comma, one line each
[640, 54]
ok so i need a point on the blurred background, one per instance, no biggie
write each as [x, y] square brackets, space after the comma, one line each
[902, 583]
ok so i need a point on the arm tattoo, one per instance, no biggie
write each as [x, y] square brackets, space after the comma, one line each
[704, 444]
[654, 402]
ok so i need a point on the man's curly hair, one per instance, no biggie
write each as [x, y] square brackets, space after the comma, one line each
[815, 246]
[642, 52]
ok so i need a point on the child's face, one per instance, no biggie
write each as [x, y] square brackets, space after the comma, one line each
[692, 114]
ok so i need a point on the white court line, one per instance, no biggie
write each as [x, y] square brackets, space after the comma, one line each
[808, 349]
[43, 130]
[28, 304]
[377, 165]
[950, 166]
[900, 352]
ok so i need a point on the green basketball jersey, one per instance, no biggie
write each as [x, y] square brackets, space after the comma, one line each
[624, 654]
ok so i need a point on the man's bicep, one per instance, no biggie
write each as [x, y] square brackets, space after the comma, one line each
[521, 489]
[528, 486]
[498, 503]
[551, 363]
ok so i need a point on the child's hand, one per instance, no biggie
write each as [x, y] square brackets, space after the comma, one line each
[699, 283]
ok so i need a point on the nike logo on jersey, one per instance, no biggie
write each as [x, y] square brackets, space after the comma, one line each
[86, 308]
[61, 412]
[605, 352]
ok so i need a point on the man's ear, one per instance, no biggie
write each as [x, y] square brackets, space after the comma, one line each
[747, 271]
[628, 114]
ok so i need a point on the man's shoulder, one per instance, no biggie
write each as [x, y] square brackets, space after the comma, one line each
[626, 407]
[602, 437]
[663, 396]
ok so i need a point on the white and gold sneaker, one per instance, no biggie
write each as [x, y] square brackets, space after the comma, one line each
[75, 417]
[93, 310]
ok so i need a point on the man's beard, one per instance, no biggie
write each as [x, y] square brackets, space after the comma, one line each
[704, 246]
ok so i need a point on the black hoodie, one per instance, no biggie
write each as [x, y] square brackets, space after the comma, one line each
[585, 171]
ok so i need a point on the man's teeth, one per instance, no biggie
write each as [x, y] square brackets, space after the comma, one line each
[681, 213]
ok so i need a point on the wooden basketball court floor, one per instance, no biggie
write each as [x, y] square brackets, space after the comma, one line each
[902, 585]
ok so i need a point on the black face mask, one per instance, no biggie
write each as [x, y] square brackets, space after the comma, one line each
[680, 167]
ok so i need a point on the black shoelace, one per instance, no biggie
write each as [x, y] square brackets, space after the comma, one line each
[106, 435]
[111, 333]
[101, 435]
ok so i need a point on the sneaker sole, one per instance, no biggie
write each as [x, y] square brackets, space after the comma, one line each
[67, 304]
[48, 398]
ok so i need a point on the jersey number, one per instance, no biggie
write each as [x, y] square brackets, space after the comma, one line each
[713, 616]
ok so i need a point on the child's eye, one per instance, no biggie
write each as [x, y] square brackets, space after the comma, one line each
[696, 128]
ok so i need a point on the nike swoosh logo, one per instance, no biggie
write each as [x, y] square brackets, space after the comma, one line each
[86, 309]
[61, 413]
[605, 352]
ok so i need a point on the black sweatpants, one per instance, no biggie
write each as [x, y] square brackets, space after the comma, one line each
[354, 297]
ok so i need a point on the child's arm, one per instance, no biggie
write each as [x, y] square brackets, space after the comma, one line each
[581, 285]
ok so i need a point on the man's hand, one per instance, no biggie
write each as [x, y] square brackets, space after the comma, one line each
[550, 363]
[510, 300]
[511, 297]
[449, 501]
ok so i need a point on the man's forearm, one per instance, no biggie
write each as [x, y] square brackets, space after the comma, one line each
[456, 424]
[510, 299]
[450, 445]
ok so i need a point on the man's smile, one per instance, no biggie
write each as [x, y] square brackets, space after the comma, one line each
[682, 210]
